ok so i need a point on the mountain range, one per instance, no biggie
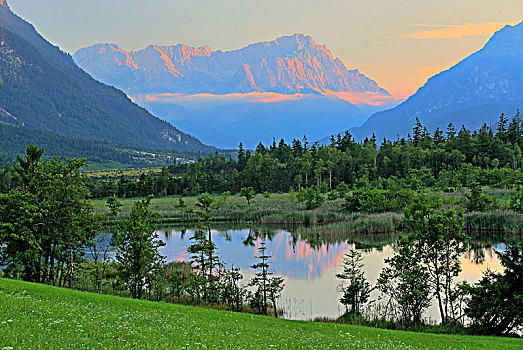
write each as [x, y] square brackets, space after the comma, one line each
[285, 88]
[43, 92]
[287, 65]
[474, 91]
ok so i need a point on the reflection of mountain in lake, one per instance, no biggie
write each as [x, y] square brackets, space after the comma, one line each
[290, 258]
[310, 270]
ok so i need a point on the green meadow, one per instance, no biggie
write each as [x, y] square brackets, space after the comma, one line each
[43, 317]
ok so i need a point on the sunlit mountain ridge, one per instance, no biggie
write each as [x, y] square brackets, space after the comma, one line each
[288, 65]
[290, 86]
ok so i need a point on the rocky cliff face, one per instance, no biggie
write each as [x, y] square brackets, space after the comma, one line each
[288, 65]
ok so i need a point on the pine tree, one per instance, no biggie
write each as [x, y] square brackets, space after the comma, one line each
[416, 132]
[354, 286]
[502, 127]
[260, 149]
[242, 159]
[515, 130]
[261, 279]
[137, 247]
[451, 132]
[438, 137]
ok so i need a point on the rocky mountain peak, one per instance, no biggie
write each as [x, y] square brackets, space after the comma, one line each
[301, 40]
[289, 64]
[508, 40]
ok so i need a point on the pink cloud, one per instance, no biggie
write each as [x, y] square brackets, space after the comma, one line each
[199, 100]
[368, 98]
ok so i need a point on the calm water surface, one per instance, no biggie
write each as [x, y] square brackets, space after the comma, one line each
[310, 270]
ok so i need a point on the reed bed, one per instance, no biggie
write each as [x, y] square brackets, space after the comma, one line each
[503, 221]
[328, 221]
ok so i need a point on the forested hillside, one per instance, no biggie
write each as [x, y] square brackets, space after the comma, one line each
[99, 154]
[41, 88]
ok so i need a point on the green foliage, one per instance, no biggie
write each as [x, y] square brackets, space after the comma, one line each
[137, 248]
[292, 195]
[274, 290]
[342, 189]
[114, 205]
[261, 280]
[405, 283]
[324, 187]
[249, 193]
[496, 303]
[301, 195]
[204, 260]
[47, 222]
[313, 198]
[181, 203]
[333, 195]
[177, 280]
[266, 287]
[438, 242]
[476, 200]
[445, 163]
[373, 200]
[516, 201]
[205, 204]
[232, 293]
[367, 200]
[354, 286]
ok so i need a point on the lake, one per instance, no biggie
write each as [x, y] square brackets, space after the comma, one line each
[310, 270]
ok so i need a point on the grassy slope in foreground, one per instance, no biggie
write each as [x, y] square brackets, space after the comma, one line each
[36, 316]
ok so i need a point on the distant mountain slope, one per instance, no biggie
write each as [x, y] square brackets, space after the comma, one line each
[286, 88]
[42, 88]
[14, 141]
[226, 126]
[474, 91]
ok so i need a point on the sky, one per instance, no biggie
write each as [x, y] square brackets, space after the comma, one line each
[398, 43]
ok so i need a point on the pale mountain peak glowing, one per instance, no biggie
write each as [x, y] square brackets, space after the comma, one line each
[288, 65]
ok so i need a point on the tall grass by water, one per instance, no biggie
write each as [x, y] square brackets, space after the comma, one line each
[328, 221]
[277, 209]
[503, 221]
